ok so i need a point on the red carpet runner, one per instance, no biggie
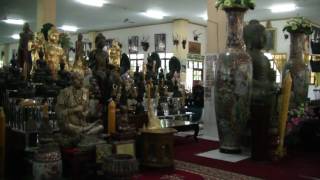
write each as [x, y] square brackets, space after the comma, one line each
[295, 166]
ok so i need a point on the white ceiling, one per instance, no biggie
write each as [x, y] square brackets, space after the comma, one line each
[112, 15]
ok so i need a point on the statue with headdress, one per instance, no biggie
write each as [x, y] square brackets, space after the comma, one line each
[54, 54]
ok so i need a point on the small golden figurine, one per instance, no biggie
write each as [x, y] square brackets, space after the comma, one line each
[115, 54]
[35, 46]
[54, 53]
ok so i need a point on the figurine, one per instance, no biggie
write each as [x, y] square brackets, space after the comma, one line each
[35, 46]
[114, 54]
[42, 73]
[79, 48]
[124, 64]
[24, 56]
[72, 109]
[54, 53]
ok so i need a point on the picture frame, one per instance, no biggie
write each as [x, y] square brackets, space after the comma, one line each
[124, 147]
[271, 39]
[133, 43]
[160, 42]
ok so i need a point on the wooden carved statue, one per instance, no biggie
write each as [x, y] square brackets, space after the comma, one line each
[79, 48]
[24, 56]
[35, 46]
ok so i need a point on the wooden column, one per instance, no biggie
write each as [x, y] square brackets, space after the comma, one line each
[46, 12]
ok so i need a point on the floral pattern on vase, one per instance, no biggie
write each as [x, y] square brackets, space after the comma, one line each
[233, 85]
[300, 72]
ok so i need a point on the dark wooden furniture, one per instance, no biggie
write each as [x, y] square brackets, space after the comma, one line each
[157, 147]
[181, 126]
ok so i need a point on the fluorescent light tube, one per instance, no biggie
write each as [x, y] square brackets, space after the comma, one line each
[14, 21]
[279, 8]
[154, 14]
[95, 3]
[15, 36]
[69, 28]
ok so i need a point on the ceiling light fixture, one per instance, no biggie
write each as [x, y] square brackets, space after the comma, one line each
[95, 3]
[15, 36]
[279, 8]
[69, 28]
[154, 14]
[14, 21]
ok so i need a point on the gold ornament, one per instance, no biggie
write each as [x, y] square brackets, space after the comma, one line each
[115, 54]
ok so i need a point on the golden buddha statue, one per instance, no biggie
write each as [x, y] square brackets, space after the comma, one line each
[54, 53]
[115, 54]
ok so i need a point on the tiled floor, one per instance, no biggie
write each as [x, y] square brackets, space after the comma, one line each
[216, 154]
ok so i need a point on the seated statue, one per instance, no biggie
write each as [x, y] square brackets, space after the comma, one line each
[42, 73]
[72, 110]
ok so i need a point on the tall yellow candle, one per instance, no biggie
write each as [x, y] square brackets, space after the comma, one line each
[2, 142]
[283, 116]
[111, 117]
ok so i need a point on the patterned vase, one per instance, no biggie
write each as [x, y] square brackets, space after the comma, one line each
[300, 72]
[233, 85]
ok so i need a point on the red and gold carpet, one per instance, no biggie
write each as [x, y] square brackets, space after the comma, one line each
[189, 171]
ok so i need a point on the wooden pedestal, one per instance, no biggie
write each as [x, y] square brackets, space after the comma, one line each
[157, 148]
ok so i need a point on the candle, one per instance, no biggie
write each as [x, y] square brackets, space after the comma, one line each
[111, 117]
[283, 116]
[2, 142]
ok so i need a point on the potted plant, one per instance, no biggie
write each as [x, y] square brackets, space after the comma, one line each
[298, 27]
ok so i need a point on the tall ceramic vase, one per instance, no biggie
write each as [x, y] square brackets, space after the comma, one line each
[300, 72]
[233, 85]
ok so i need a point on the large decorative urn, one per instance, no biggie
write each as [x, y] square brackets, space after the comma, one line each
[233, 85]
[300, 72]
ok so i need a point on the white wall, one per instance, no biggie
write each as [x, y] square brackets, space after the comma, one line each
[202, 38]
[122, 36]
[282, 44]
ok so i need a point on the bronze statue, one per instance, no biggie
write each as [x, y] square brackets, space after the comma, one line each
[24, 55]
[79, 48]
[72, 109]
[263, 90]
[54, 53]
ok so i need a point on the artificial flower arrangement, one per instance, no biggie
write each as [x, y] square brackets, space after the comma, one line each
[298, 25]
[245, 4]
[296, 118]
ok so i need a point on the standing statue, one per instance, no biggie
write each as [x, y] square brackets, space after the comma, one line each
[35, 46]
[24, 55]
[54, 53]
[263, 89]
[79, 48]
[72, 109]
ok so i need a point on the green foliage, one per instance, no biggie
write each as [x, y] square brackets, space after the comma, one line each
[65, 41]
[243, 4]
[45, 29]
[298, 25]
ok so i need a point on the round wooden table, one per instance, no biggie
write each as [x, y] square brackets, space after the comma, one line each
[157, 147]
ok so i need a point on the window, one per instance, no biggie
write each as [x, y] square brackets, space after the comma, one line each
[165, 57]
[136, 60]
[194, 70]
